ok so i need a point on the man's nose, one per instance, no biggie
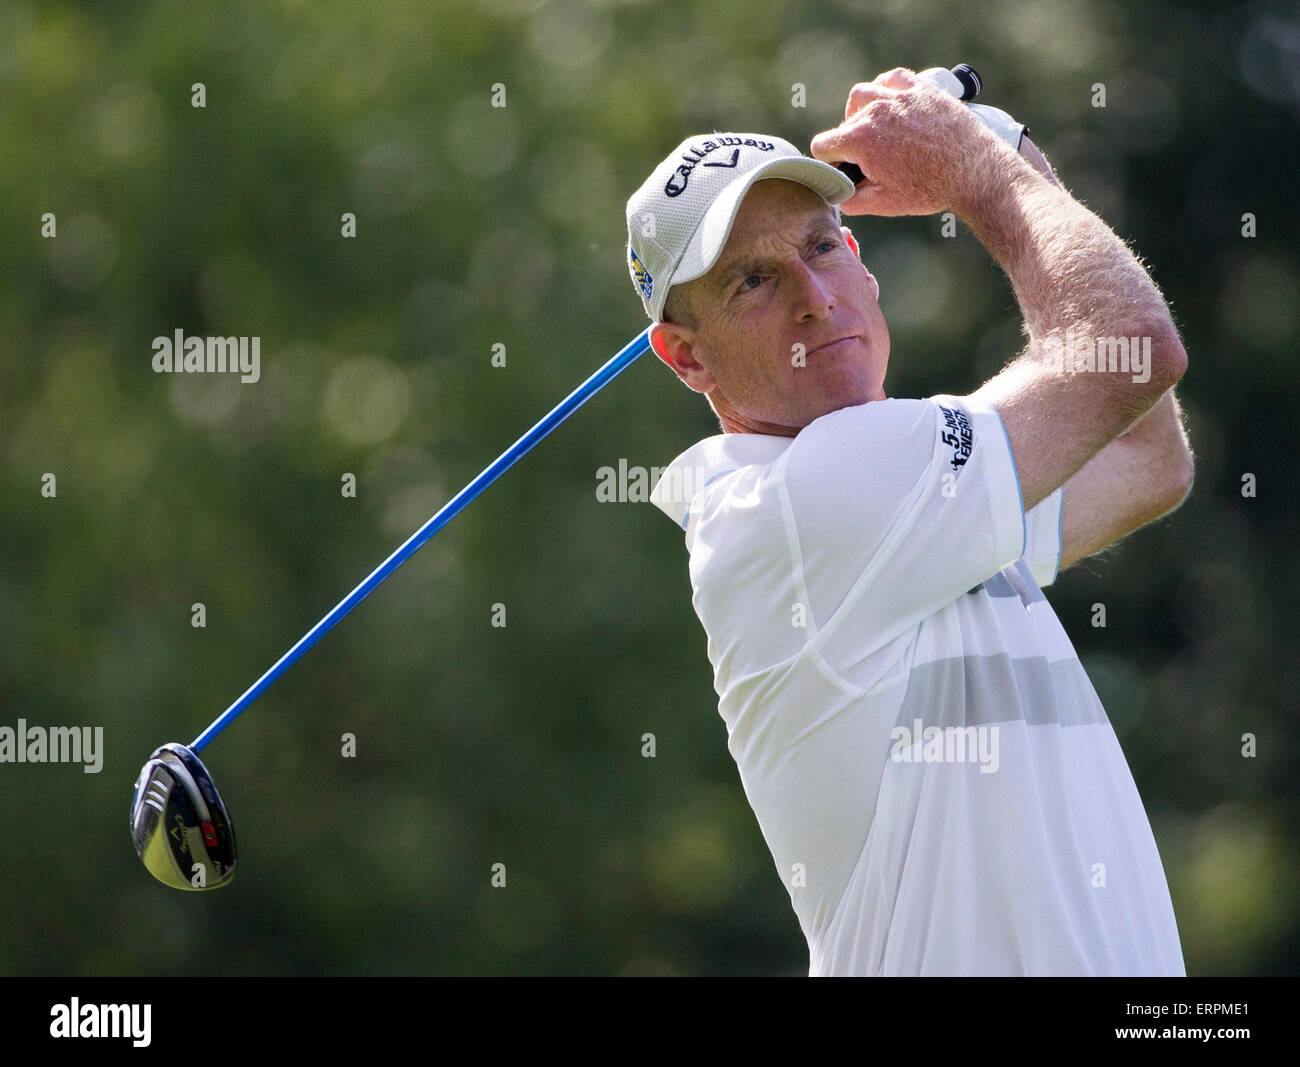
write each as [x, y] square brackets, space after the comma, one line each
[813, 298]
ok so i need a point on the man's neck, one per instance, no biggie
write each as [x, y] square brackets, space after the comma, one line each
[772, 430]
[733, 422]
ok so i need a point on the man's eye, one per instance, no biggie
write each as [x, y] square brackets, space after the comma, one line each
[829, 246]
[752, 278]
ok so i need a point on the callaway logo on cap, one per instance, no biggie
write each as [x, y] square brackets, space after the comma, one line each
[678, 221]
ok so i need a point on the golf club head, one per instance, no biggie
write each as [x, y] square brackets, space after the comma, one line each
[179, 823]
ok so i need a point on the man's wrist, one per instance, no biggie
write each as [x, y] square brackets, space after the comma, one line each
[990, 203]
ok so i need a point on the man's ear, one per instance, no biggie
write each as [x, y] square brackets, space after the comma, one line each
[659, 343]
[674, 344]
[852, 241]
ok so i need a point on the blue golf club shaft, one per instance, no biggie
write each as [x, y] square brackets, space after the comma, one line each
[566, 407]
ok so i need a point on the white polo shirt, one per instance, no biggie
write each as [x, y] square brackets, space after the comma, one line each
[931, 768]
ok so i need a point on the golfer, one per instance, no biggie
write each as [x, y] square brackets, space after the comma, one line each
[933, 772]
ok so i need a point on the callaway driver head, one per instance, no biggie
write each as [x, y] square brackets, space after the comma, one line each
[179, 822]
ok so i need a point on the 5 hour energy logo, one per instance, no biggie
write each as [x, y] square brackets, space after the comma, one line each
[956, 436]
[102, 1020]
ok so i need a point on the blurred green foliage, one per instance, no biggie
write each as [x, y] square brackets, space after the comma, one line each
[476, 226]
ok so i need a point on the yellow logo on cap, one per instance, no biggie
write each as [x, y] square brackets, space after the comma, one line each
[644, 282]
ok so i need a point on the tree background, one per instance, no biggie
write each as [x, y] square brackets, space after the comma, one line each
[480, 225]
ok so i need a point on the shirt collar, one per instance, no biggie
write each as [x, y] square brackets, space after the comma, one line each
[709, 459]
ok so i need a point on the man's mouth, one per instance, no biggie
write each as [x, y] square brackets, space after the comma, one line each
[830, 348]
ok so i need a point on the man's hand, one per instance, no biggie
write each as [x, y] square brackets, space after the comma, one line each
[921, 149]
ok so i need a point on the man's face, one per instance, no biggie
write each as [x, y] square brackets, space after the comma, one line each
[786, 285]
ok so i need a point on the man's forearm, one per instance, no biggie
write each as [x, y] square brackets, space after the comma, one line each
[1162, 426]
[1068, 269]
[1072, 275]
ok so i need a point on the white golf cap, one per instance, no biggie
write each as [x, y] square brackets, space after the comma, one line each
[679, 220]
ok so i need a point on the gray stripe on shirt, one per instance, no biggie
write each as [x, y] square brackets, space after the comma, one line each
[981, 690]
[1000, 586]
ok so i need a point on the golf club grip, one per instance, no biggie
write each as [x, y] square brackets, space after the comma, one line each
[566, 407]
[968, 86]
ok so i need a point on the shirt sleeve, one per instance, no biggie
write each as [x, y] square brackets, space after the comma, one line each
[1043, 537]
[899, 507]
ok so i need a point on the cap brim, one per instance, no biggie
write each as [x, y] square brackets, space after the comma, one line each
[710, 238]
